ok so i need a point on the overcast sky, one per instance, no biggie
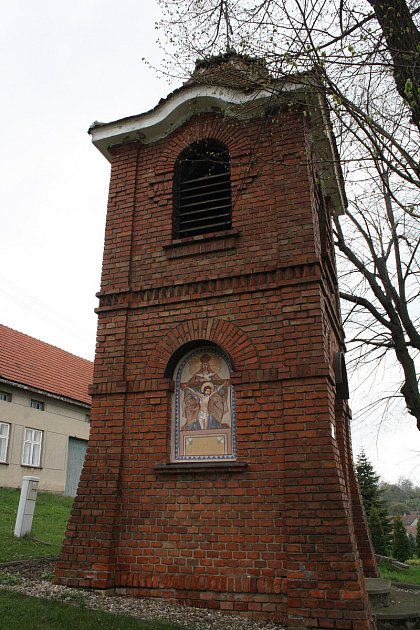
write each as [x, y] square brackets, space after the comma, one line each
[63, 66]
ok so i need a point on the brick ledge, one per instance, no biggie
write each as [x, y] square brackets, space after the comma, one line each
[196, 467]
[212, 242]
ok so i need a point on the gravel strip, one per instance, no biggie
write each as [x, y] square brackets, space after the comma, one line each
[29, 578]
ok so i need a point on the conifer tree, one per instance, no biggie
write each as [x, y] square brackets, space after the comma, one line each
[377, 533]
[374, 505]
[400, 544]
[368, 482]
[412, 541]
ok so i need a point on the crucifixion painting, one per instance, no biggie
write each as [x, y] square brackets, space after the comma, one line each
[204, 407]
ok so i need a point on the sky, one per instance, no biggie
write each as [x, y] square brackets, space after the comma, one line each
[63, 66]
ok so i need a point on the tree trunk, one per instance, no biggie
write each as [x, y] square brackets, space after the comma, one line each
[403, 41]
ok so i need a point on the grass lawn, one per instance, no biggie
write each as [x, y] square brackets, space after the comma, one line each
[405, 576]
[19, 611]
[50, 519]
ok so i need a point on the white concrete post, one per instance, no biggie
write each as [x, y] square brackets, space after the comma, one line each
[26, 507]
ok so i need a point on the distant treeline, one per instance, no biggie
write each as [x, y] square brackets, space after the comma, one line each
[400, 498]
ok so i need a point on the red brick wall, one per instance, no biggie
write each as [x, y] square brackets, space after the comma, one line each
[275, 538]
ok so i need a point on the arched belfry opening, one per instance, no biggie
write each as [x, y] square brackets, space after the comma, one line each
[219, 469]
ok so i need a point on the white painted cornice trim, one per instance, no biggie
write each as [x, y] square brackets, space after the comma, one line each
[173, 112]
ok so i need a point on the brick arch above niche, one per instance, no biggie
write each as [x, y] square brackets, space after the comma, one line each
[231, 339]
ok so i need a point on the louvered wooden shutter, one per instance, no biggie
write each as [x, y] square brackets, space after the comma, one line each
[202, 191]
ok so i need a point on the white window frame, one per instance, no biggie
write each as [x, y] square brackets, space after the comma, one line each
[4, 441]
[32, 445]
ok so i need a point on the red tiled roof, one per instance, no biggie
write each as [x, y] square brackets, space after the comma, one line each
[37, 364]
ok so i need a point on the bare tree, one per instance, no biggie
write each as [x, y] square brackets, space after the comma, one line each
[367, 65]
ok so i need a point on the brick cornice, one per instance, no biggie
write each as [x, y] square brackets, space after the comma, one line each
[304, 272]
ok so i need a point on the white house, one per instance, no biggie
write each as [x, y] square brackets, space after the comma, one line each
[44, 412]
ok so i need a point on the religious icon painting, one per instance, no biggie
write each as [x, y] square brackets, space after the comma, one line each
[204, 407]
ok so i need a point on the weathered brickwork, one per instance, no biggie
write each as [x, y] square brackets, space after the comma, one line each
[283, 536]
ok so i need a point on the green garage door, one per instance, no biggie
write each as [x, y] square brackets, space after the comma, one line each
[75, 458]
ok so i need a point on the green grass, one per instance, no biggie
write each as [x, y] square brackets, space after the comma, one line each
[405, 576]
[49, 523]
[20, 611]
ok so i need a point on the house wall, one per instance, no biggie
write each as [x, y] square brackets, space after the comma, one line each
[58, 421]
[273, 538]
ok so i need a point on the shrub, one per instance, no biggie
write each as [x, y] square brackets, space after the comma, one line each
[400, 544]
[413, 562]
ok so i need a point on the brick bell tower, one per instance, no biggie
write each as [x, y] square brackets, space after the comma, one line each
[219, 470]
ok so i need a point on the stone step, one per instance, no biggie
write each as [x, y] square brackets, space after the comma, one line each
[379, 591]
[395, 607]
